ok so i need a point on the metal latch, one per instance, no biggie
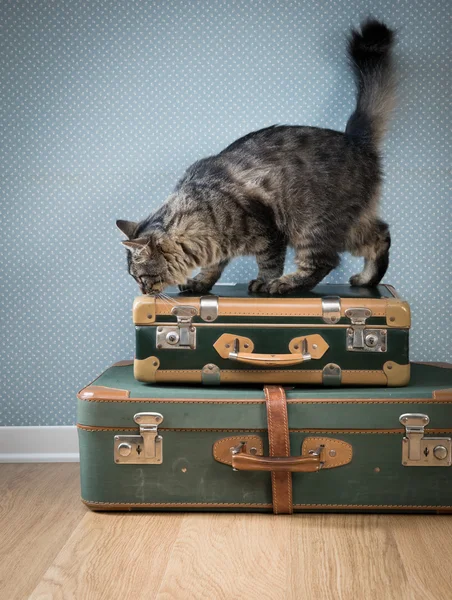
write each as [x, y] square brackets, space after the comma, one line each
[360, 339]
[146, 448]
[420, 451]
[180, 336]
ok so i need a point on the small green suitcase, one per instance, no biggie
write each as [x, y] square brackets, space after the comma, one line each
[333, 335]
[238, 448]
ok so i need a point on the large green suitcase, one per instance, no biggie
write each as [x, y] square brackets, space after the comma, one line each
[161, 447]
[334, 335]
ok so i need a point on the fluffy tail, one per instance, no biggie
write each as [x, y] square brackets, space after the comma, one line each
[370, 52]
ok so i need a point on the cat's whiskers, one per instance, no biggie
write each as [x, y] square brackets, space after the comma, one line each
[165, 296]
[168, 298]
[162, 298]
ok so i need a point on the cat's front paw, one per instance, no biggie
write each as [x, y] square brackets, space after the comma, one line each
[280, 286]
[358, 280]
[258, 286]
[355, 280]
[195, 286]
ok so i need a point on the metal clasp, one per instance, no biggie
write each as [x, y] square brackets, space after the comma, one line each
[358, 317]
[181, 336]
[242, 447]
[360, 339]
[319, 451]
[184, 316]
[420, 451]
[146, 448]
[305, 350]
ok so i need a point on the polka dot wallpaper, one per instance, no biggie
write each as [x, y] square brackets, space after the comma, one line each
[104, 104]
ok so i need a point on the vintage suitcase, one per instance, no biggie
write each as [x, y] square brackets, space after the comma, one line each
[249, 449]
[336, 335]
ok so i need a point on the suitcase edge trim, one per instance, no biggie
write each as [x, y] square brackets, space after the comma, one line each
[392, 375]
[93, 505]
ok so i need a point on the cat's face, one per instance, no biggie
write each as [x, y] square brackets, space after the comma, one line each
[154, 260]
[147, 266]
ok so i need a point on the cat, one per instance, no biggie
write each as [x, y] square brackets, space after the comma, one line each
[316, 190]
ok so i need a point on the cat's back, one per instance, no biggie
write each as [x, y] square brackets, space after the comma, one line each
[272, 146]
[277, 155]
[272, 142]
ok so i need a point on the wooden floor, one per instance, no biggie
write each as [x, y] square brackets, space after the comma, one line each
[53, 547]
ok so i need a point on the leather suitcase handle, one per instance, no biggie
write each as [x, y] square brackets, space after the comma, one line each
[246, 453]
[269, 360]
[294, 464]
[241, 349]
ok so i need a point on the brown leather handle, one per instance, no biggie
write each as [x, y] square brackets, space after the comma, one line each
[295, 464]
[269, 360]
[241, 349]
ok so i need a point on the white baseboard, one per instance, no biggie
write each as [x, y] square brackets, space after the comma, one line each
[38, 444]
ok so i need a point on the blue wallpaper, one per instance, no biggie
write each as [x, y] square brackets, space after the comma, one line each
[104, 104]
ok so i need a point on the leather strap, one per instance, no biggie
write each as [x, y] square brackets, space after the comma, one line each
[279, 445]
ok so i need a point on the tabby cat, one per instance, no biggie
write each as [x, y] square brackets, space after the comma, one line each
[314, 189]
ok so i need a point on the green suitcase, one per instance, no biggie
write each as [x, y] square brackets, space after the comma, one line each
[239, 448]
[334, 335]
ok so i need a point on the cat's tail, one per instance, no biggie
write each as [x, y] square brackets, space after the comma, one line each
[370, 52]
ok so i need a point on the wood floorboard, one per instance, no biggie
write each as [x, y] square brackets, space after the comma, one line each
[229, 556]
[340, 557]
[39, 510]
[112, 555]
[56, 550]
[425, 543]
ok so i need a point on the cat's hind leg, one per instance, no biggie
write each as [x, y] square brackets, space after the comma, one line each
[205, 279]
[372, 241]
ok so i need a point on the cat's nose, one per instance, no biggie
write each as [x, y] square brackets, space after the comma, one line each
[144, 286]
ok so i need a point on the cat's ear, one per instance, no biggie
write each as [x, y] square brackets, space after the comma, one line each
[127, 227]
[136, 244]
